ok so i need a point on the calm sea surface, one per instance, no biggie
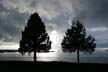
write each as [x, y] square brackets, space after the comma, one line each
[100, 55]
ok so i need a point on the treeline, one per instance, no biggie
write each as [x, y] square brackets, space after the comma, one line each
[36, 39]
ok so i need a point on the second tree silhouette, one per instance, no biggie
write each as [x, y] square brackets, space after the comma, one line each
[76, 40]
[34, 37]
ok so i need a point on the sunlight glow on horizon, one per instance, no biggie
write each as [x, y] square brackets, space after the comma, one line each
[55, 37]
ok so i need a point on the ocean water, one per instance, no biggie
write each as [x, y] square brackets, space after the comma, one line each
[100, 55]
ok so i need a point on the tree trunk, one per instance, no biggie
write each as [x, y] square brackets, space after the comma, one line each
[78, 56]
[35, 56]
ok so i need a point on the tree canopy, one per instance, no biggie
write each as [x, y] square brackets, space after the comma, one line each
[76, 39]
[34, 36]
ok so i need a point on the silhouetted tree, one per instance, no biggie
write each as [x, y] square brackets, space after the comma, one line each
[34, 37]
[76, 40]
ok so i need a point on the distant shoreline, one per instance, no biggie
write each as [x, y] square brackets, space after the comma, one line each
[2, 51]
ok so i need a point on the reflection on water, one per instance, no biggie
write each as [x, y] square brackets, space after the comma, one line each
[99, 56]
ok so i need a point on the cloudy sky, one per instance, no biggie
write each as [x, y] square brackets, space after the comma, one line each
[57, 16]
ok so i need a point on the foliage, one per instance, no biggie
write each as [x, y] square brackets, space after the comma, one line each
[34, 36]
[76, 39]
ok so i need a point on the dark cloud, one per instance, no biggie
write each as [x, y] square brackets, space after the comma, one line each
[10, 24]
[60, 24]
[56, 14]
[94, 14]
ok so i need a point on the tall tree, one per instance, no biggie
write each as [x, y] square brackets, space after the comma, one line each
[76, 40]
[34, 37]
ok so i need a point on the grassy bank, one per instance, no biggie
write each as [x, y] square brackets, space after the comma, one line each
[51, 66]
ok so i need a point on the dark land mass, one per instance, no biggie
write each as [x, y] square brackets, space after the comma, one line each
[3, 51]
[51, 66]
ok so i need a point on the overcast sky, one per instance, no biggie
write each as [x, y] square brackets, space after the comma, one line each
[57, 16]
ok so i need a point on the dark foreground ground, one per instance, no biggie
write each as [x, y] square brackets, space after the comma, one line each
[17, 66]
